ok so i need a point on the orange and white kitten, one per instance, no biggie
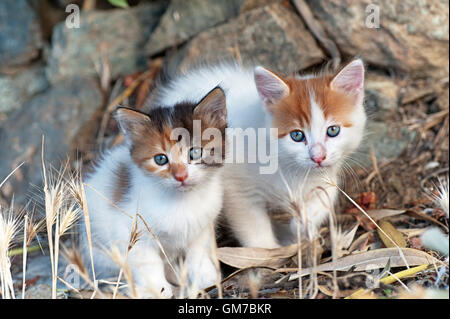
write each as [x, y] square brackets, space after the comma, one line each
[173, 181]
[319, 121]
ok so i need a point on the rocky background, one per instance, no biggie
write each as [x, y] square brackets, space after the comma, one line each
[63, 83]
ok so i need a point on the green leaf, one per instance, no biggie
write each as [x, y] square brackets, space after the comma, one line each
[119, 3]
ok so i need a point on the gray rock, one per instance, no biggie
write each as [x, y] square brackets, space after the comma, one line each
[20, 34]
[387, 142]
[116, 37]
[39, 268]
[184, 19]
[273, 36]
[381, 96]
[39, 292]
[60, 114]
[10, 96]
[18, 88]
[43, 292]
[412, 37]
[248, 5]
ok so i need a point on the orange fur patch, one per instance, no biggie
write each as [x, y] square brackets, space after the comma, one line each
[294, 111]
[150, 144]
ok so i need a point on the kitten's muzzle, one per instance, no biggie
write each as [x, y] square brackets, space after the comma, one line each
[318, 153]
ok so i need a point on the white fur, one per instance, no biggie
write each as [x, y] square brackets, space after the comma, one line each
[247, 192]
[181, 220]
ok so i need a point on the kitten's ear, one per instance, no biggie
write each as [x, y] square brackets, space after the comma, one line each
[131, 122]
[270, 86]
[213, 108]
[350, 79]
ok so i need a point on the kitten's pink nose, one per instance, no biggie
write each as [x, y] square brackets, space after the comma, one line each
[181, 176]
[318, 160]
[318, 153]
[179, 172]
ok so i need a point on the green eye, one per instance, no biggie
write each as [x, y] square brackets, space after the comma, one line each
[333, 131]
[195, 153]
[161, 159]
[298, 136]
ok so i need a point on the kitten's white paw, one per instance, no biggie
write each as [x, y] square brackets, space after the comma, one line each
[162, 290]
[312, 230]
[203, 273]
[166, 292]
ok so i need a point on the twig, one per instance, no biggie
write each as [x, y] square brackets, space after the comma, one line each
[10, 174]
[126, 93]
[19, 251]
[24, 259]
[374, 173]
[68, 285]
[434, 119]
[375, 167]
[49, 218]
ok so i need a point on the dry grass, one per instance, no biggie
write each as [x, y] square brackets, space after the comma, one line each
[9, 229]
[61, 213]
[135, 235]
[442, 198]
[30, 231]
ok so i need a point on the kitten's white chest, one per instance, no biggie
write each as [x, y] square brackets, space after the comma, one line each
[177, 218]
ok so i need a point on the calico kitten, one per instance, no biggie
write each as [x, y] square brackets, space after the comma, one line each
[319, 122]
[173, 180]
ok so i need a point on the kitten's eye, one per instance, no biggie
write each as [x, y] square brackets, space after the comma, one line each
[161, 159]
[195, 153]
[333, 131]
[298, 136]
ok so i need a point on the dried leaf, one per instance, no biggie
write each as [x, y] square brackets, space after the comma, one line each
[347, 239]
[243, 257]
[393, 233]
[362, 242]
[378, 214]
[339, 294]
[372, 259]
